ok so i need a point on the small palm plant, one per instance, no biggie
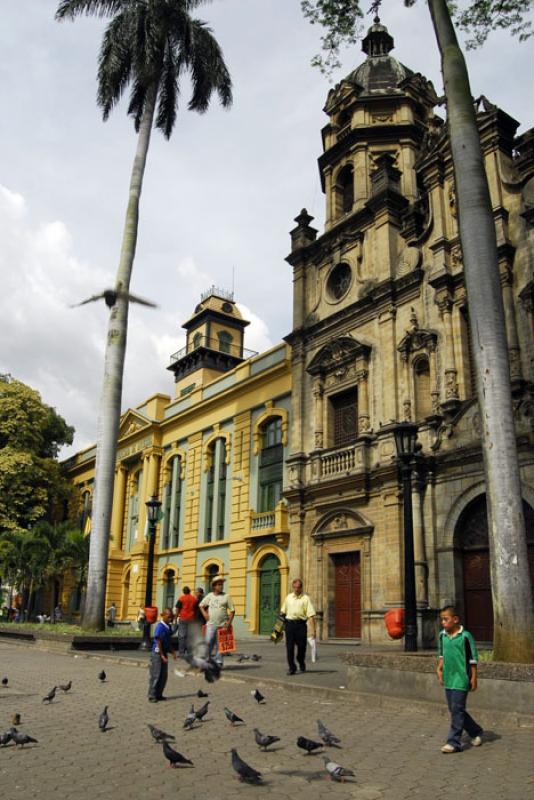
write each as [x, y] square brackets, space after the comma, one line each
[148, 46]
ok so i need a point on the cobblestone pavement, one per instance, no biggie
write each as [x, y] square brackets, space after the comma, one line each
[395, 754]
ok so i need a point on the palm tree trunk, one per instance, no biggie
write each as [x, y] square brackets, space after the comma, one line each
[512, 598]
[110, 399]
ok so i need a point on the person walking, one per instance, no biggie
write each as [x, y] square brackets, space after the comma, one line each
[159, 657]
[299, 615]
[111, 615]
[218, 610]
[457, 673]
[186, 608]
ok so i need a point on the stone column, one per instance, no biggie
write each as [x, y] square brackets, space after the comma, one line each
[364, 420]
[514, 353]
[173, 522]
[330, 200]
[434, 385]
[451, 373]
[389, 389]
[421, 566]
[318, 389]
[407, 401]
[143, 497]
[119, 503]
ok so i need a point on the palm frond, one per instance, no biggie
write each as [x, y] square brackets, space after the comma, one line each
[168, 94]
[208, 69]
[69, 9]
[137, 102]
[114, 63]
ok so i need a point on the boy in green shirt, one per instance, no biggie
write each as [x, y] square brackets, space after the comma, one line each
[457, 672]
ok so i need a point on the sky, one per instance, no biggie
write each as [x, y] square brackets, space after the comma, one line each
[219, 198]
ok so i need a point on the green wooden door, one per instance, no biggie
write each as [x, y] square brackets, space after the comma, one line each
[269, 593]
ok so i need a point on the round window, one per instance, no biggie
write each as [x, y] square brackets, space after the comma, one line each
[338, 282]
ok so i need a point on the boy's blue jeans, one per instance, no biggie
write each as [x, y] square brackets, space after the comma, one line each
[460, 719]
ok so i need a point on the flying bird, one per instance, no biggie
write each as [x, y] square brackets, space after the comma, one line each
[102, 676]
[257, 695]
[210, 669]
[103, 720]
[5, 681]
[16, 719]
[50, 696]
[308, 744]
[327, 736]
[110, 297]
[231, 717]
[336, 771]
[200, 693]
[264, 740]
[160, 736]
[173, 757]
[246, 773]
[65, 687]
[191, 718]
[202, 711]
[5, 738]
[21, 738]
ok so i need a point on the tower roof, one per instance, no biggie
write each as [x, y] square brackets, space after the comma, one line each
[380, 73]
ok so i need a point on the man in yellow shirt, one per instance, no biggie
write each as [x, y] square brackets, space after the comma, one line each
[299, 612]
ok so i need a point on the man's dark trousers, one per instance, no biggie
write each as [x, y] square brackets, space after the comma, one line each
[157, 677]
[296, 635]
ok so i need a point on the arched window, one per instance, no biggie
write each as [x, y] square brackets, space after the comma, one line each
[421, 379]
[344, 191]
[133, 509]
[197, 340]
[211, 571]
[168, 589]
[216, 493]
[271, 466]
[172, 503]
[85, 514]
[225, 341]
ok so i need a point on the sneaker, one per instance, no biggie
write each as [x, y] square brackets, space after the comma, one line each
[449, 748]
[291, 671]
[152, 700]
[477, 741]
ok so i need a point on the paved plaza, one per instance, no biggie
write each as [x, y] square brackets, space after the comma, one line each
[395, 753]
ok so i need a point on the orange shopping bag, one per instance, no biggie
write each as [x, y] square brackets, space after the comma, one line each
[226, 640]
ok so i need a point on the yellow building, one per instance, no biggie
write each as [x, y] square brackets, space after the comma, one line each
[264, 482]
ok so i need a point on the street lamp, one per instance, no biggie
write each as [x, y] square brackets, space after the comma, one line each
[152, 514]
[405, 437]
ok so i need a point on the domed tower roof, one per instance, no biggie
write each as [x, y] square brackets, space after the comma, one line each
[380, 73]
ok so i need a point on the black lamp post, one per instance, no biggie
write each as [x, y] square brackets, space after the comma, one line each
[152, 514]
[405, 437]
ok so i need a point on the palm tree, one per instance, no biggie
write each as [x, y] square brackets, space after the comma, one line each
[148, 44]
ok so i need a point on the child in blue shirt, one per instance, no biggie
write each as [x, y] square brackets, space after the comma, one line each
[159, 657]
[457, 672]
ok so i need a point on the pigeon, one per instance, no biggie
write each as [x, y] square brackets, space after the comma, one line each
[336, 771]
[245, 772]
[190, 719]
[5, 681]
[5, 738]
[160, 736]
[102, 676]
[264, 740]
[103, 720]
[308, 744]
[242, 657]
[110, 297]
[231, 717]
[327, 736]
[21, 738]
[210, 669]
[173, 757]
[65, 687]
[16, 719]
[200, 693]
[202, 711]
[257, 695]
[50, 696]
[255, 657]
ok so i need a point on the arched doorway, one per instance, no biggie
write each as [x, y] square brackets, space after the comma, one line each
[471, 541]
[269, 592]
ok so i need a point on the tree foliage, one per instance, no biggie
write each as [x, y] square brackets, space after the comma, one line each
[32, 487]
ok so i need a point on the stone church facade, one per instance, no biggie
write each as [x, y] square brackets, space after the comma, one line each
[380, 335]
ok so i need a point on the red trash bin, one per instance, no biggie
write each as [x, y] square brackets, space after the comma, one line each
[151, 613]
[394, 619]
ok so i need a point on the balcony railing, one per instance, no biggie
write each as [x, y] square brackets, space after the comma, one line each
[215, 344]
[268, 523]
[335, 462]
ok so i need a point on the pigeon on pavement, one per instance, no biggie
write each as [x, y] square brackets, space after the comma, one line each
[160, 736]
[65, 687]
[173, 757]
[5, 681]
[5, 738]
[336, 771]
[191, 718]
[102, 676]
[50, 696]
[308, 744]
[200, 693]
[103, 720]
[264, 740]
[257, 695]
[327, 736]
[21, 738]
[242, 657]
[16, 719]
[231, 717]
[202, 711]
[255, 657]
[246, 773]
